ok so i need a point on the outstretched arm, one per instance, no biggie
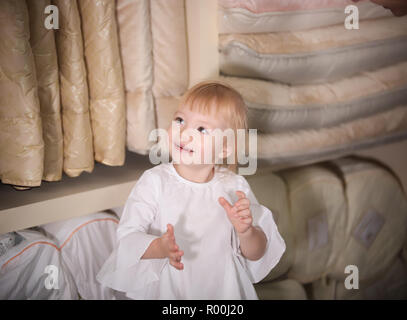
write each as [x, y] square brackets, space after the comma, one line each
[253, 241]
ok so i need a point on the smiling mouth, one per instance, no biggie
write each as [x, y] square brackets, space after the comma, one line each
[183, 148]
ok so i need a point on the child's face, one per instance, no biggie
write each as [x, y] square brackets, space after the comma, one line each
[202, 128]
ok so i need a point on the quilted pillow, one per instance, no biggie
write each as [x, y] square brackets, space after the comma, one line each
[317, 55]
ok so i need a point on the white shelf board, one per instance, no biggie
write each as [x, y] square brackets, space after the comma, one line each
[106, 187]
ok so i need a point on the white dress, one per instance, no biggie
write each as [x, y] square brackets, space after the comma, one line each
[214, 267]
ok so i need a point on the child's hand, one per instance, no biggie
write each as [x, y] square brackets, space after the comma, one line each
[239, 214]
[171, 249]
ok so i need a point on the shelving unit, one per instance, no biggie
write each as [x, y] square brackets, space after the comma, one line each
[106, 187]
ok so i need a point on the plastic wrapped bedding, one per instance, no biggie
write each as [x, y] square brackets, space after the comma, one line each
[375, 230]
[21, 141]
[105, 79]
[271, 191]
[288, 289]
[43, 46]
[390, 285]
[85, 243]
[318, 215]
[260, 6]
[170, 53]
[305, 146]
[77, 131]
[316, 55]
[242, 18]
[28, 268]
[275, 107]
[133, 18]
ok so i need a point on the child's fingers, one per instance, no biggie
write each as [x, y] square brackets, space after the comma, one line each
[240, 194]
[225, 204]
[244, 213]
[170, 229]
[247, 221]
[177, 264]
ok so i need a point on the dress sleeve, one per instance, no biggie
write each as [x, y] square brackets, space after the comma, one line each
[263, 218]
[124, 270]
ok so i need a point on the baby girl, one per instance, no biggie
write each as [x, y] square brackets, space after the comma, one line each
[194, 229]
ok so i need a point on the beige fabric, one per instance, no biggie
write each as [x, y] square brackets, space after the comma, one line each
[275, 107]
[166, 107]
[321, 38]
[21, 141]
[377, 217]
[261, 6]
[77, 131]
[134, 27]
[271, 191]
[170, 52]
[105, 78]
[288, 289]
[392, 284]
[318, 215]
[43, 46]
[286, 147]
[242, 20]
[316, 55]
[273, 94]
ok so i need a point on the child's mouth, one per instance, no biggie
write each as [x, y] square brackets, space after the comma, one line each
[183, 148]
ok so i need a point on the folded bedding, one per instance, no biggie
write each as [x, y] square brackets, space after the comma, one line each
[310, 145]
[259, 6]
[247, 17]
[31, 268]
[317, 55]
[275, 107]
[85, 243]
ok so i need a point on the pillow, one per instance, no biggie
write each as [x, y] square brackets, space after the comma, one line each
[377, 217]
[259, 6]
[85, 243]
[241, 19]
[275, 107]
[293, 148]
[318, 214]
[316, 55]
[26, 269]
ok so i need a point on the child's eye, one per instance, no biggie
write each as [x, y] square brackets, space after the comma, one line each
[178, 119]
[203, 130]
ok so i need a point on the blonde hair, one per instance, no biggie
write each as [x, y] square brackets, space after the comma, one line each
[221, 99]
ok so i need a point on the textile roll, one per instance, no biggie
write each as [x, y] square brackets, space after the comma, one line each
[318, 215]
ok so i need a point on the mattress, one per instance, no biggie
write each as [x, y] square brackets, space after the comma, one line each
[316, 55]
